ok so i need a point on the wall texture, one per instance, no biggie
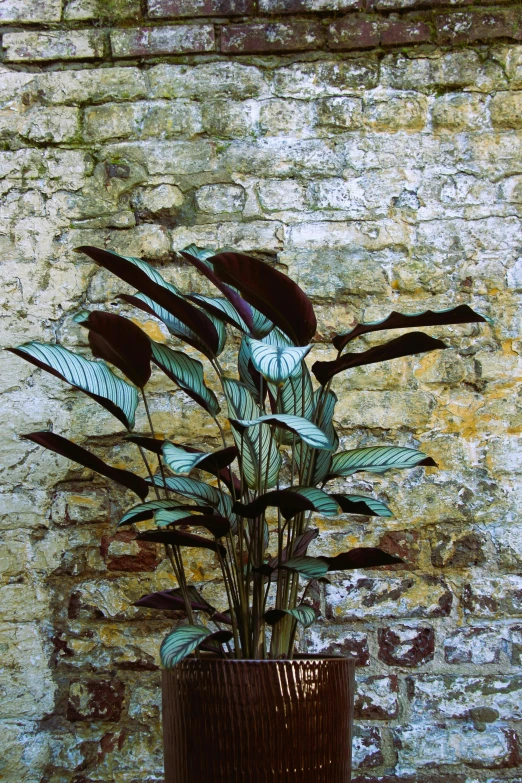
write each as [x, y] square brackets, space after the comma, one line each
[375, 153]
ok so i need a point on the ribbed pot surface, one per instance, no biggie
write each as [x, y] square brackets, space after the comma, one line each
[258, 721]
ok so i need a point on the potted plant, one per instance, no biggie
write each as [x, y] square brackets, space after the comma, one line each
[239, 704]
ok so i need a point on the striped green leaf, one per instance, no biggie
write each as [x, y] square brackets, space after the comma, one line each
[308, 432]
[181, 642]
[147, 510]
[203, 494]
[276, 363]
[360, 504]
[187, 373]
[203, 253]
[306, 615]
[321, 502]
[221, 309]
[183, 462]
[377, 459]
[309, 567]
[259, 455]
[323, 410]
[93, 378]
[248, 375]
[168, 516]
[295, 398]
[214, 523]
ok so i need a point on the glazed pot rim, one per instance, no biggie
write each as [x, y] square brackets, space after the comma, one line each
[318, 658]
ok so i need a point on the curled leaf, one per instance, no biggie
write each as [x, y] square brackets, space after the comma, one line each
[304, 614]
[362, 557]
[180, 538]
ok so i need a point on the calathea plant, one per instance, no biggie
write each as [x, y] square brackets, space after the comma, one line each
[244, 503]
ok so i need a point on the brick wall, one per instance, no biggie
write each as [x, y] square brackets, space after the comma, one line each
[373, 151]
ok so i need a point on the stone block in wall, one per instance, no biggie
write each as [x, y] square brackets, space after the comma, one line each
[444, 697]
[404, 31]
[115, 11]
[208, 81]
[53, 45]
[405, 645]
[227, 119]
[478, 645]
[272, 37]
[390, 112]
[90, 86]
[384, 409]
[286, 117]
[454, 69]
[32, 11]
[506, 110]
[96, 700]
[149, 41]
[422, 745]
[402, 5]
[339, 113]
[339, 640]
[361, 597]
[216, 199]
[367, 747]
[459, 112]
[325, 78]
[275, 157]
[376, 697]
[181, 8]
[493, 597]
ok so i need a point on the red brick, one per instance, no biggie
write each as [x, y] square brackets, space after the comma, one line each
[376, 698]
[405, 646]
[309, 6]
[179, 8]
[401, 5]
[272, 37]
[145, 559]
[402, 31]
[354, 32]
[463, 27]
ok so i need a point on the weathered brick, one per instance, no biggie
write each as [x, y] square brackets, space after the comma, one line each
[354, 32]
[406, 645]
[449, 70]
[283, 158]
[228, 119]
[454, 550]
[506, 110]
[115, 12]
[477, 645]
[447, 697]
[148, 41]
[122, 552]
[401, 5]
[286, 117]
[272, 37]
[181, 8]
[94, 700]
[377, 698]
[310, 6]
[392, 596]
[404, 31]
[64, 45]
[425, 745]
[89, 86]
[470, 25]
[32, 11]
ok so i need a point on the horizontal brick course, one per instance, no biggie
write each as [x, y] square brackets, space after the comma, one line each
[194, 8]
[463, 27]
[143, 41]
[272, 37]
[308, 6]
[33, 11]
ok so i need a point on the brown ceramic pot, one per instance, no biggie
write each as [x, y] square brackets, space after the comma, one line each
[249, 721]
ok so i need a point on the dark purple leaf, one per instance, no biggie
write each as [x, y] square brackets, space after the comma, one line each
[178, 307]
[463, 314]
[242, 307]
[353, 507]
[362, 557]
[173, 600]
[120, 342]
[67, 448]
[301, 545]
[289, 502]
[407, 345]
[271, 292]
[179, 538]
